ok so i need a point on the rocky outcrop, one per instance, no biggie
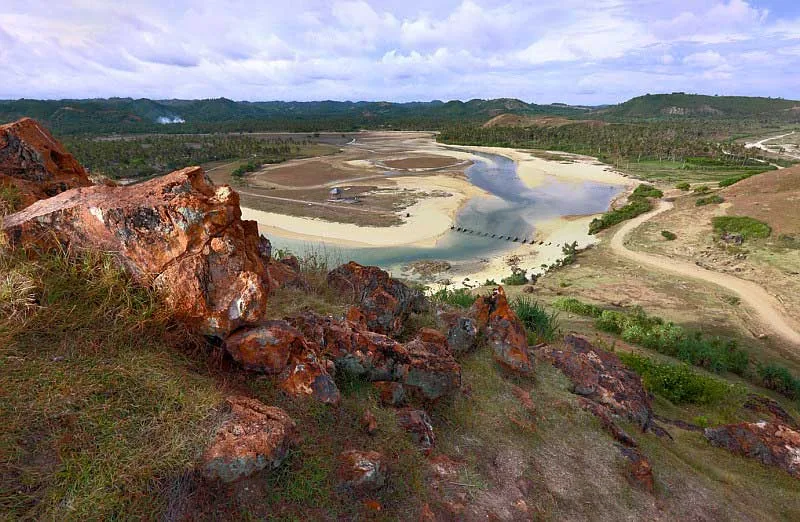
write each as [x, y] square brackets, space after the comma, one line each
[385, 302]
[423, 365]
[504, 332]
[640, 472]
[35, 164]
[390, 393]
[276, 347]
[285, 272]
[601, 377]
[766, 406]
[771, 443]
[361, 472]
[178, 232]
[419, 425]
[253, 437]
[462, 332]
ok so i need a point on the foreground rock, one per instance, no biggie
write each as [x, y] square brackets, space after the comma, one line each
[361, 472]
[505, 333]
[424, 365]
[276, 347]
[771, 443]
[601, 377]
[462, 332]
[35, 164]
[385, 302]
[254, 437]
[178, 232]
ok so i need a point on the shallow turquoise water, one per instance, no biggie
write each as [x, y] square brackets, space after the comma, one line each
[513, 209]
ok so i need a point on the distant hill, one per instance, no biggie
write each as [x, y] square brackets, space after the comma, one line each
[681, 105]
[220, 115]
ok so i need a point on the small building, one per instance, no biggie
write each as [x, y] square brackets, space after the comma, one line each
[335, 193]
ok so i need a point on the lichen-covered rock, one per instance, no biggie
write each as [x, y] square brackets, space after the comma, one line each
[504, 331]
[385, 302]
[361, 472]
[285, 273]
[35, 163]
[462, 332]
[600, 376]
[178, 232]
[307, 374]
[369, 422]
[419, 425]
[771, 443]
[422, 365]
[253, 437]
[267, 347]
[640, 472]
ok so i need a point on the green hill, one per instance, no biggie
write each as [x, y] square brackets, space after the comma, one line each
[681, 105]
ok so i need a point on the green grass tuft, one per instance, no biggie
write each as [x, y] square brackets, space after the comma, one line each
[748, 227]
[541, 325]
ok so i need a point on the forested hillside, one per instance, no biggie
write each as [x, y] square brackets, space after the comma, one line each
[681, 105]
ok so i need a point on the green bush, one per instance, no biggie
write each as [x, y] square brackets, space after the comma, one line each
[635, 207]
[460, 297]
[702, 189]
[727, 182]
[572, 305]
[715, 199]
[646, 191]
[683, 185]
[516, 279]
[748, 227]
[677, 383]
[778, 378]
[541, 326]
[669, 235]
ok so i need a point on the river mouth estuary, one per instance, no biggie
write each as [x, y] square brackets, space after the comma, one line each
[511, 204]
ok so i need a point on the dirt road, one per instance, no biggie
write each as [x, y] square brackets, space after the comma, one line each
[766, 306]
[762, 145]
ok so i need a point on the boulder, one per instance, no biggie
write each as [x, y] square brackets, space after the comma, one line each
[369, 422]
[266, 348]
[601, 377]
[462, 332]
[253, 437]
[771, 443]
[285, 273]
[640, 472]
[504, 332]
[307, 374]
[361, 472]
[34, 163]
[385, 302]
[419, 425]
[178, 232]
[424, 365]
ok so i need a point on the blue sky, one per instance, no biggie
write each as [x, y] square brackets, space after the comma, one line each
[574, 51]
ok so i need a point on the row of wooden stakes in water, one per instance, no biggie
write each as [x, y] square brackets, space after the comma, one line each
[495, 236]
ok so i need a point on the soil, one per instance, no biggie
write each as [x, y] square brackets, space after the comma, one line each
[421, 162]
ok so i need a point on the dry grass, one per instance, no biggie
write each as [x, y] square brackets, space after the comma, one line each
[100, 415]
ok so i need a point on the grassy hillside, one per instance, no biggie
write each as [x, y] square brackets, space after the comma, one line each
[681, 105]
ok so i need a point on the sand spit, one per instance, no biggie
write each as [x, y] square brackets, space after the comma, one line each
[429, 218]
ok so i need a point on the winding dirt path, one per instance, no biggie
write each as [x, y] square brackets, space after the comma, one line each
[766, 306]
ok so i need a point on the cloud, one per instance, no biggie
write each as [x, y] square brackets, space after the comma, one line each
[568, 51]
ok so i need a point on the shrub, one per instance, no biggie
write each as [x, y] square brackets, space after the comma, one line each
[727, 182]
[683, 185]
[542, 325]
[460, 297]
[677, 383]
[778, 378]
[702, 189]
[748, 227]
[9, 199]
[635, 207]
[572, 305]
[715, 199]
[646, 191]
[668, 235]
[516, 279]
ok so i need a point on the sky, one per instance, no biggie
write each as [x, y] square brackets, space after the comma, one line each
[570, 51]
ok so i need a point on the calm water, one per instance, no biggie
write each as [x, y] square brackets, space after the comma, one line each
[513, 209]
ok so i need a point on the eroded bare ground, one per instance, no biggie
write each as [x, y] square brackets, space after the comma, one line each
[362, 172]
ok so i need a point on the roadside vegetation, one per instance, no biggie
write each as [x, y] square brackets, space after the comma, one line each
[638, 203]
[710, 200]
[714, 354]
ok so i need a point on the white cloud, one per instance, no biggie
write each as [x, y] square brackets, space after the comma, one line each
[704, 59]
